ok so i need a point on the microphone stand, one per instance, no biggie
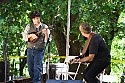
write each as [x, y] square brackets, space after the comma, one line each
[48, 58]
[48, 42]
[5, 59]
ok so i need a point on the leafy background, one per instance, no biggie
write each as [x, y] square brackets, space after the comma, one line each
[105, 16]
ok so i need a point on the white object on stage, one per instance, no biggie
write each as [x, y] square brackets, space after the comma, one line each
[66, 73]
[62, 69]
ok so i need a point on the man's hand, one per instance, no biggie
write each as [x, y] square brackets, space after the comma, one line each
[33, 36]
[44, 31]
[74, 60]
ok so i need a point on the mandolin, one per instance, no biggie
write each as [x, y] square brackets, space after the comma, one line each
[37, 34]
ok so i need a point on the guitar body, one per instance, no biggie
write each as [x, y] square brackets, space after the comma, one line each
[34, 40]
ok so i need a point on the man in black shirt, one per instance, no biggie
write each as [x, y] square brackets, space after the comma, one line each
[98, 54]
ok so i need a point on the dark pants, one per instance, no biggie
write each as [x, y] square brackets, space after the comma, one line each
[34, 60]
[93, 69]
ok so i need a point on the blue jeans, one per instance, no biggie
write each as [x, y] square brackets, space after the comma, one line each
[34, 60]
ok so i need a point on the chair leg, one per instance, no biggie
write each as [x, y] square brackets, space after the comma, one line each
[84, 81]
[77, 70]
[101, 76]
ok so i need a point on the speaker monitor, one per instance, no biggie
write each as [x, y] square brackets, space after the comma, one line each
[64, 81]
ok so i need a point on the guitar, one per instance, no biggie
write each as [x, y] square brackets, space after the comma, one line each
[85, 51]
[38, 33]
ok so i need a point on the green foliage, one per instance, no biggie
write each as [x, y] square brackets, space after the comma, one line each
[118, 54]
[117, 48]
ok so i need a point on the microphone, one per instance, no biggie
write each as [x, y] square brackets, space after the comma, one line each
[57, 15]
[51, 27]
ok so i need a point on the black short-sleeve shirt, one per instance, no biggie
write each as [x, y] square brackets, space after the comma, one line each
[99, 47]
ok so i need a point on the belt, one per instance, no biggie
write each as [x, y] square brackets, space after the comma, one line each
[35, 48]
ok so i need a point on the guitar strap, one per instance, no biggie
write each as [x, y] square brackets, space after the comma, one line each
[87, 43]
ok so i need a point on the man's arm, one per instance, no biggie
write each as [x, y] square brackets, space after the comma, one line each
[87, 58]
[25, 33]
[46, 31]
